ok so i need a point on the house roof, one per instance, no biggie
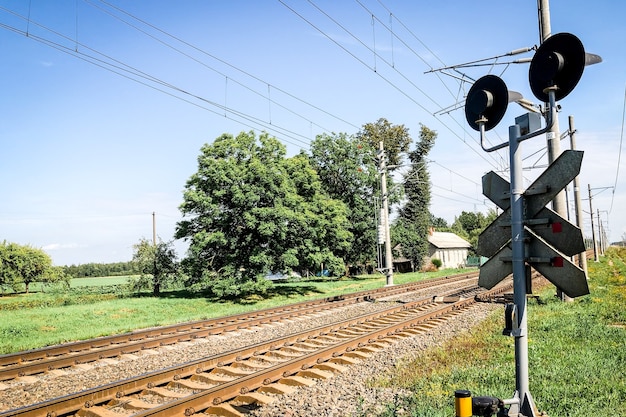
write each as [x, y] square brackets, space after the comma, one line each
[447, 240]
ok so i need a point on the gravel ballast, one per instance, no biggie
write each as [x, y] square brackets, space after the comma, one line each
[344, 394]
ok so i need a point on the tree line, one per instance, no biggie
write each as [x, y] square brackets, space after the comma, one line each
[21, 265]
[90, 270]
[250, 210]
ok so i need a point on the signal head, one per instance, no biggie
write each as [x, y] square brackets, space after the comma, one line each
[559, 61]
[487, 99]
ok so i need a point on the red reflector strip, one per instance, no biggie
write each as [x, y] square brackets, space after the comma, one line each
[557, 227]
[557, 262]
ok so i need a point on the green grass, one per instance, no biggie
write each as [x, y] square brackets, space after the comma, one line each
[99, 281]
[577, 355]
[28, 321]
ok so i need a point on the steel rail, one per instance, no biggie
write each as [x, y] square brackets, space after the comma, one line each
[71, 403]
[201, 401]
[67, 355]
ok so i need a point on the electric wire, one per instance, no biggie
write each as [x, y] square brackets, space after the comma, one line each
[230, 65]
[619, 154]
[119, 68]
[266, 97]
[393, 35]
[387, 80]
[137, 73]
[453, 172]
[376, 55]
[226, 77]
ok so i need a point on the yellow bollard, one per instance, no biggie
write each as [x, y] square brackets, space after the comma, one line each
[463, 403]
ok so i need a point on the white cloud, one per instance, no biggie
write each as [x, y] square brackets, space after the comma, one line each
[60, 246]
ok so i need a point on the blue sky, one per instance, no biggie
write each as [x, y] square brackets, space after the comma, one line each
[88, 154]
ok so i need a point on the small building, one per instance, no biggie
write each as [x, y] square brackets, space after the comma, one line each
[449, 248]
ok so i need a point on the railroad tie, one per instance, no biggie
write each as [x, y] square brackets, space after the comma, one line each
[277, 388]
[224, 410]
[164, 392]
[128, 403]
[252, 398]
[96, 412]
[330, 366]
[345, 360]
[210, 379]
[296, 381]
[315, 373]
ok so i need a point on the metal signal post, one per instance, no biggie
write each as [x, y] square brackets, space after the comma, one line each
[522, 401]
[539, 237]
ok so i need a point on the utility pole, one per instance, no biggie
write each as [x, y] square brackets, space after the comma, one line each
[553, 137]
[593, 233]
[582, 257]
[385, 214]
[602, 243]
[154, 228]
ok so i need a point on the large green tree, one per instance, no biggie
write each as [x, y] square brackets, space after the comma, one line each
[410, 229]
[249, 210]
[469, 225]
[345, 165]
[157, 265]
[396, 140]
[23, 265]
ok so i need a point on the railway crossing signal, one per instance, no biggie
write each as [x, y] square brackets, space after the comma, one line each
[551, 238]
[528, 233]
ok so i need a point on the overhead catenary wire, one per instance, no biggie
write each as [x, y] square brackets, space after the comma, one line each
[619, 153]
[131, 72]
[134, 74]
[236, 68]
[248, 74]
[179, 51]
[387, 80]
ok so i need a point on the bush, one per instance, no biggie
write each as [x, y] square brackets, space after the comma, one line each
[228, 285]
[437, 263]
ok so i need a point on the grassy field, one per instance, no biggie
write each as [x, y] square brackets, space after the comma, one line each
[98, 281]
[34, 320]
[577, 354]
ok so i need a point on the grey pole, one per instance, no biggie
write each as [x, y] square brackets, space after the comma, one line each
[553, 137]
[582, 257]
[593, 233]
[519, 272]
[385, 215]
[601, 241]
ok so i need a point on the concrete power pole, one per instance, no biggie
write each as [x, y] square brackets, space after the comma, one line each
[602, 245]
[385, 214]
[593, 233]
[582, 257]
[553, 137]
[154, 228]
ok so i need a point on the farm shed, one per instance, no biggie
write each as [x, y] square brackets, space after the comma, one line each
[451, 249]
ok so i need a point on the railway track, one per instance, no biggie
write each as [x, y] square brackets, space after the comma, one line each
[46, 359]
[231, 383]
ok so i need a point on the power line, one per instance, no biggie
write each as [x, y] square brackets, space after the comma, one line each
[134, 74]
[619, 154]
[376, 55]
[387, 80]
[270, 85]
[393, 35]
[130, 72]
